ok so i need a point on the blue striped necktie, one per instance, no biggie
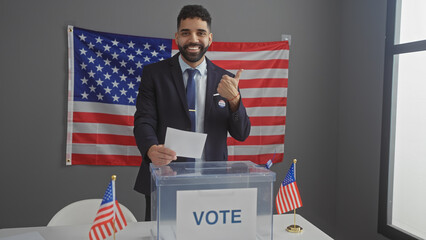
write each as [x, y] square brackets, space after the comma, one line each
[190, 96]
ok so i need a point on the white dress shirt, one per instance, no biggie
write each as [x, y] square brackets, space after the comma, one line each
[200, 93]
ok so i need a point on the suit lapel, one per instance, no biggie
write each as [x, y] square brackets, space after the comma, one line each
[178, 81]
[212, 82]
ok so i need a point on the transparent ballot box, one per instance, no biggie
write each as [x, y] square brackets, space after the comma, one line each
[212, 200]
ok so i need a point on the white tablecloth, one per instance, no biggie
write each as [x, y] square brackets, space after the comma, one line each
[142, 231]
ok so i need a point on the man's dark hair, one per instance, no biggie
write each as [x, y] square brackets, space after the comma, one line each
[194, 11]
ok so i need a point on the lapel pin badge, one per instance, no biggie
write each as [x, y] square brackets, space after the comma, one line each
[221, 103]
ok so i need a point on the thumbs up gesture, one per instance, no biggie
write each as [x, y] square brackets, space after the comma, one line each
[228, 87]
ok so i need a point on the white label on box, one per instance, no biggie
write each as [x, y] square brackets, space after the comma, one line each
[216, 214]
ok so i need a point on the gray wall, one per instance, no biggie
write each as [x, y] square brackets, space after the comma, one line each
[333, 114]
[360, 115]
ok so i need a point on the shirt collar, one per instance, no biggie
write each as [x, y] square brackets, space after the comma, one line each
[202, 68]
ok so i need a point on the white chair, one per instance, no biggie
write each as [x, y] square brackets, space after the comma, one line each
[83, 212]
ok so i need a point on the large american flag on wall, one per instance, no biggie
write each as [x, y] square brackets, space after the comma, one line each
[104, 75]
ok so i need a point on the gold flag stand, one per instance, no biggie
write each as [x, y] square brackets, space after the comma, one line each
[294, 228]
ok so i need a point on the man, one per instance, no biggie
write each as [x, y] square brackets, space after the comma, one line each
[164, 100]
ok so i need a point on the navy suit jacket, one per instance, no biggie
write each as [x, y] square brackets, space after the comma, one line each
[162, 103]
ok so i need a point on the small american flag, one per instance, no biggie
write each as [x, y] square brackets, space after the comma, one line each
[104, 75]
[109, 216]
[288, 197]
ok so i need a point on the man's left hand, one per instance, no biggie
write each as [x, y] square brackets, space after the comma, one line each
[228, 86]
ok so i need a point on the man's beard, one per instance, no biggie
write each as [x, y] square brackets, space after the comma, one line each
[193, 57]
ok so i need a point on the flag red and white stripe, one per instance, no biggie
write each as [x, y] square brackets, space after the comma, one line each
[288, 198]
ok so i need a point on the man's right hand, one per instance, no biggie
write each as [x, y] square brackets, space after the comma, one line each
[161, 155]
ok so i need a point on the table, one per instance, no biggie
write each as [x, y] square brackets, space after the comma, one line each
[142, 230]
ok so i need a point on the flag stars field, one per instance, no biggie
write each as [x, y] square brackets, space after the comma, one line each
[83, 66]
[91, 74]
[115, 98]
[84, 95]
[84, 80]
[98, 40]
[91, 59]
[100, 96]
[99, 54]
[107, 76]
[131, 71]
[154, 53]
[113, 66]
[99, 68]
[90, 45]
[107, 48]
[131, 85]
[82, 37]
[131, 44]
[99, 82]
[162, 47]
[123, 63]
[83, 51]
[107, 90]
[131, 100]
[114, 69]
[115, 55]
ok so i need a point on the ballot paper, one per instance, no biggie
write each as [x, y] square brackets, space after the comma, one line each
[184, 143]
